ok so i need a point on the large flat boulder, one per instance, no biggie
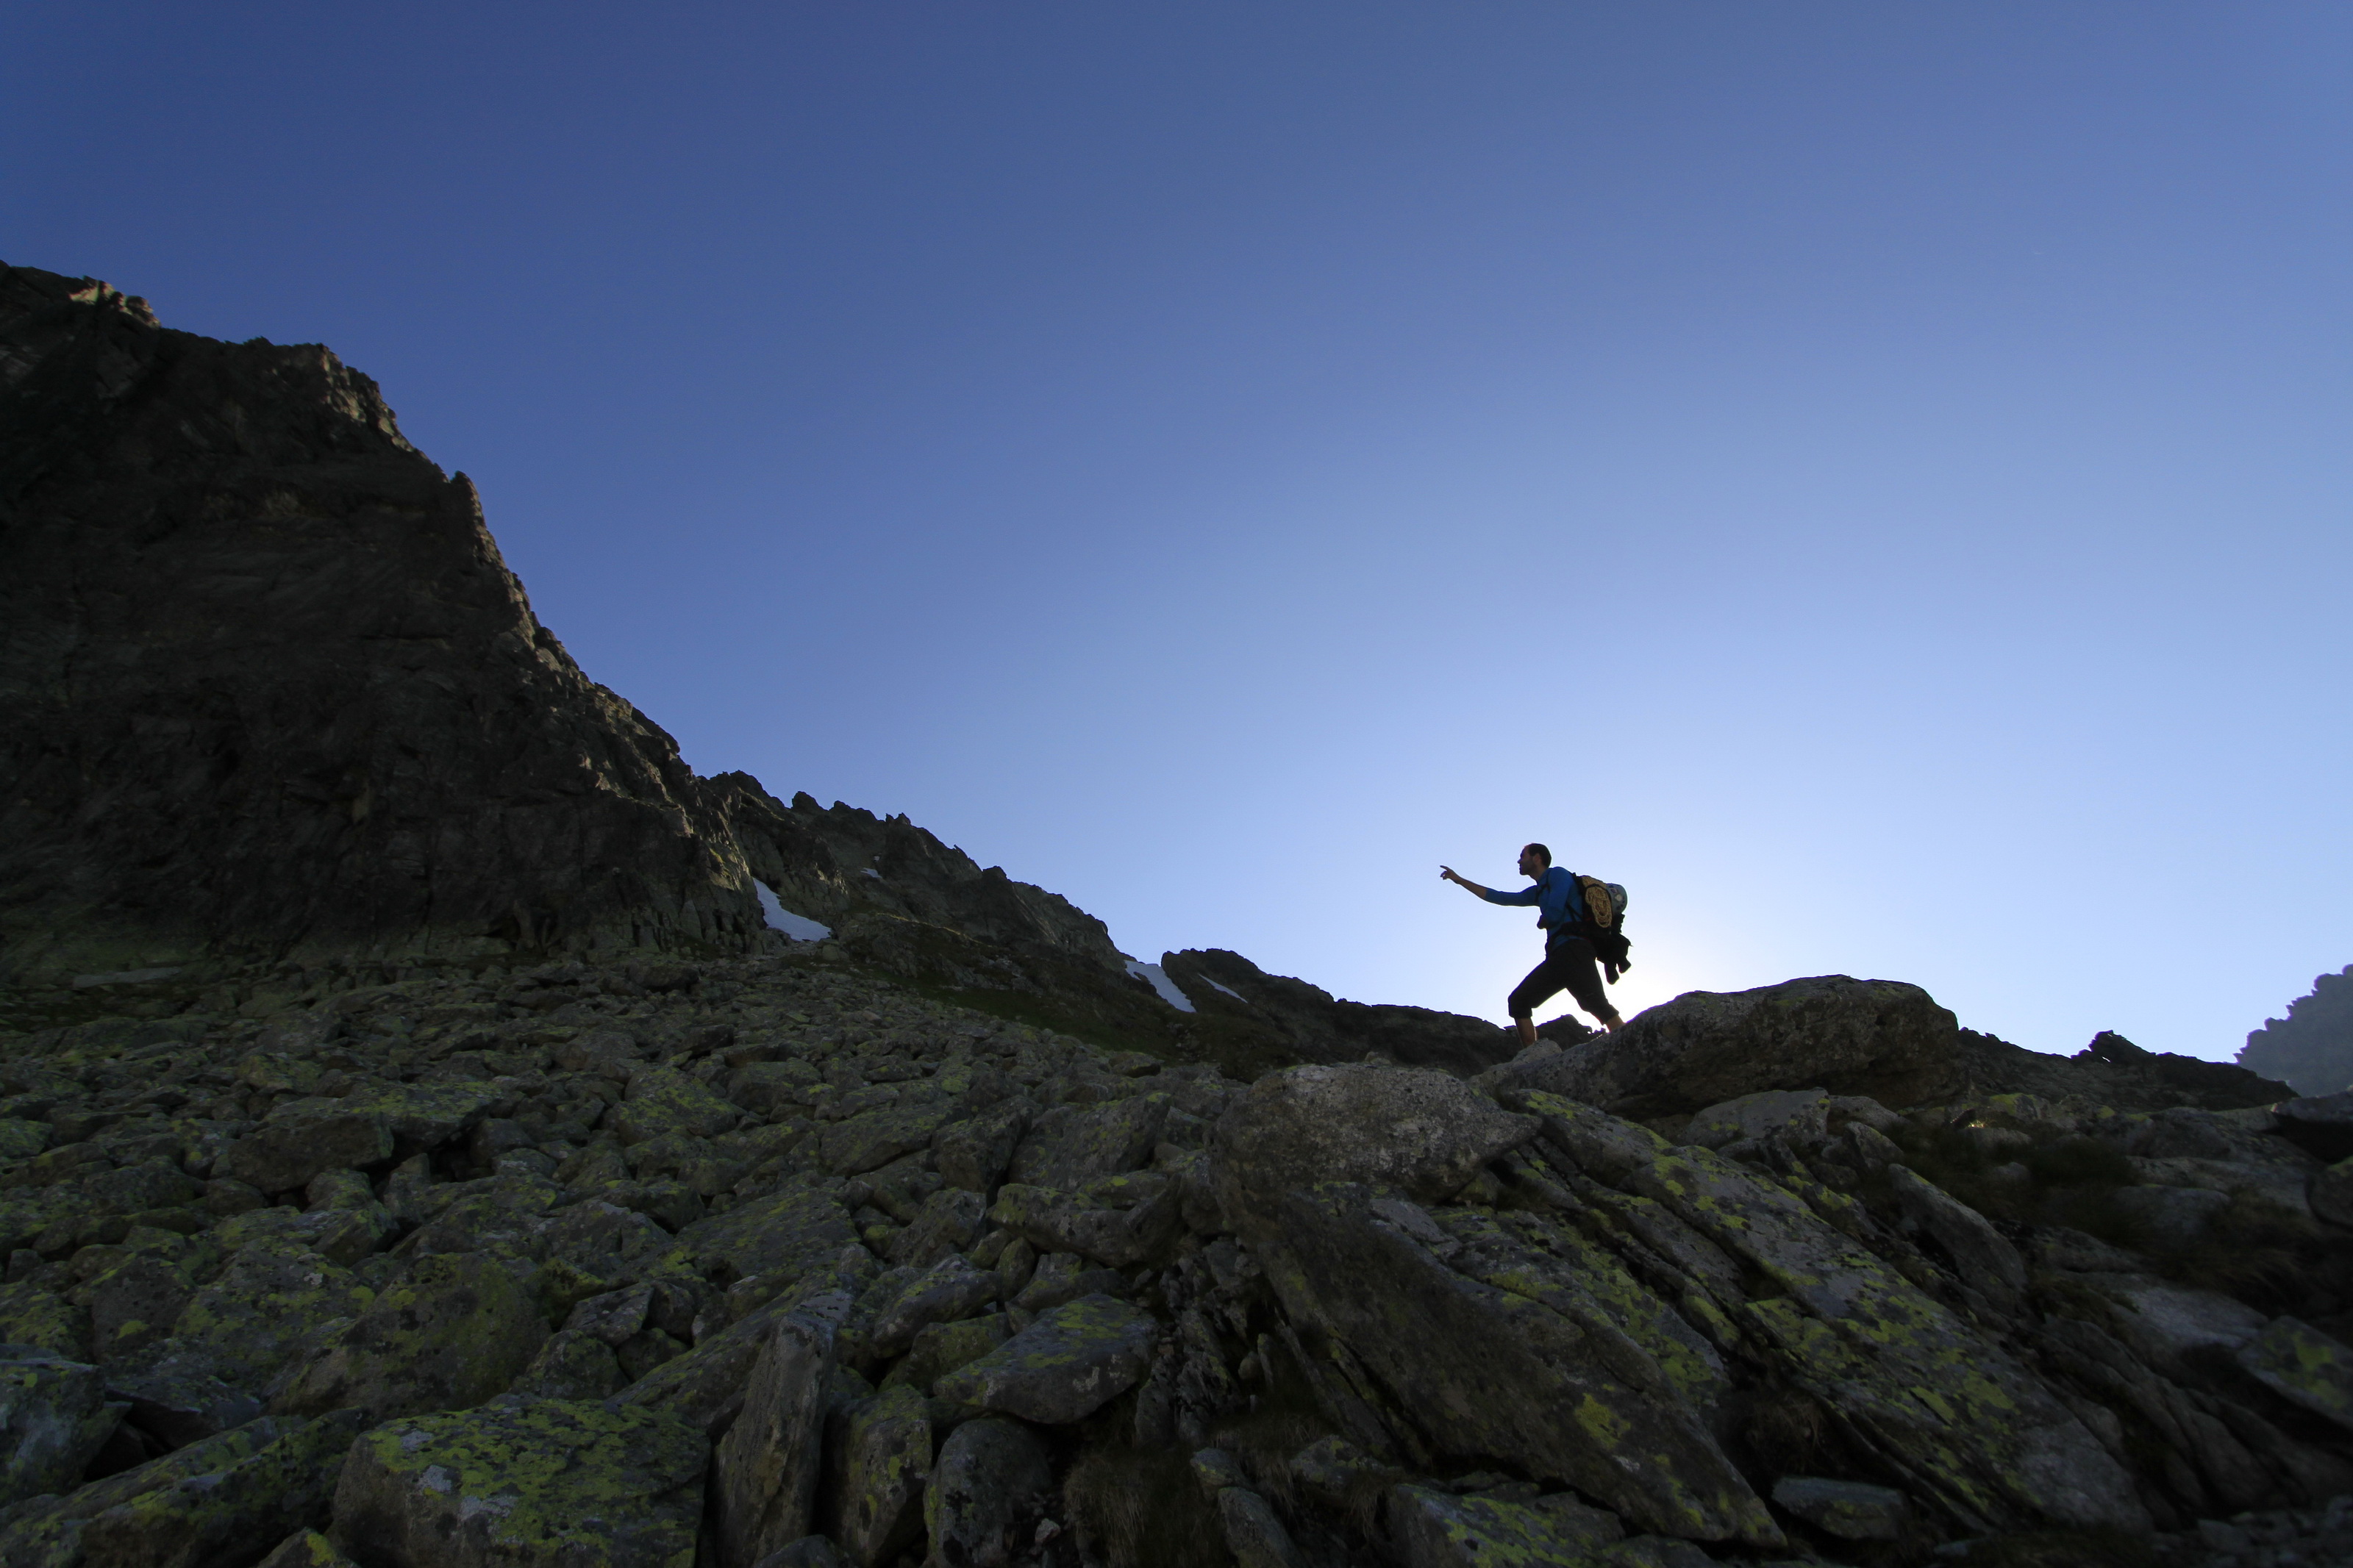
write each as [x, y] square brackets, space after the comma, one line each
[555, 1481]
[1486, 1368]
[1062, 1368]
[53, 1418]
[1877, 1038]
[1959, 1422]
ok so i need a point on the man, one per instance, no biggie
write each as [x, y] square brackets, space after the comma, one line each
[1570, 963]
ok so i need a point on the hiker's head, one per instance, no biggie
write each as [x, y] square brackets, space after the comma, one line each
[1534, 860]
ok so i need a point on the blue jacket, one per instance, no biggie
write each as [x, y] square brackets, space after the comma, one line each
[1553, 894]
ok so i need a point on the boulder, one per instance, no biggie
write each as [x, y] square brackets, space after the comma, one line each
[555, 1481]
[765, 1469]
[286, 1150]
[950, 1220]
[1480, 1369]
[421, 1117]
[988, 1488]
[32, 1316]
[266, 1309]
[1877, 1037]
[1061, 1277]
[2303, 1366]
[872, 1139]
[808, 1552]
[2168, 1325]
[2168, 1216]
[1062, 1368]
[1431, 1529]
[1982, 1255]
[2332, 1194]
[662, 1101]
[943, 1347]
[772, 1089]
[1252, 1533]
[1071, 1145]
[54, 1418]
[1419, 1131]
[1118, 1236]
[949, 1290]
[1994, 1444]
[571, 1365]
[1852, 1510]
[306, 1549]
[451, 1333]
[1799, 1115]
[179, 1399]
[224, 1515]
[2322, 1125]
[974, 1153]
[613, 1316]
[886, 1470]
[774, 1238]
[706, 1386]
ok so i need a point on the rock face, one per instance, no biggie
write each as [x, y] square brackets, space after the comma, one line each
[432, 1249]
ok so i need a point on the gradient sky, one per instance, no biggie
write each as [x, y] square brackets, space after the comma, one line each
[1872, 479]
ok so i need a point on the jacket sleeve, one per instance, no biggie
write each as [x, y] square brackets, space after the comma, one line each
[1524, 896]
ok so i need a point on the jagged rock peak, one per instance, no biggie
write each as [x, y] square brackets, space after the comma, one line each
[268, 681]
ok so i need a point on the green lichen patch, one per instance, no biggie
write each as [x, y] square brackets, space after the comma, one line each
[551, 1481]
[2304, 1366]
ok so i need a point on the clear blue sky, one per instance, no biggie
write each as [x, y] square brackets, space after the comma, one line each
[1872, 479]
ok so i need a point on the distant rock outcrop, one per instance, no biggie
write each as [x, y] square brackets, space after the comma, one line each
[1273, 1019]
[268, 684]
[2312, 1047]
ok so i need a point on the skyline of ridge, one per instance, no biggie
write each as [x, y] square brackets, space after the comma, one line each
[1872, 485]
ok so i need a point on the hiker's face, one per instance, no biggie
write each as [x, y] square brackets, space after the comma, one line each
[1531, 863]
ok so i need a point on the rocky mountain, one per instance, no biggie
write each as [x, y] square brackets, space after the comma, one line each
[2312, 1047]
[545, 1208]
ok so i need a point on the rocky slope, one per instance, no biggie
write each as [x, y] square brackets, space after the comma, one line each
[774, 1259]
[545, 1208]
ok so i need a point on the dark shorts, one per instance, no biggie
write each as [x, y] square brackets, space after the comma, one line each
[1569, 965]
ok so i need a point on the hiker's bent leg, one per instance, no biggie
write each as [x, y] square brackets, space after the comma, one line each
[1527, 996]
[1573, 962]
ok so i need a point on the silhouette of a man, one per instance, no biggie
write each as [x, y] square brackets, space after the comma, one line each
[1569, 964]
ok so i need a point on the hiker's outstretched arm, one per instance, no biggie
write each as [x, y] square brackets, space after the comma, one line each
[1527, 896]
[1467, 885]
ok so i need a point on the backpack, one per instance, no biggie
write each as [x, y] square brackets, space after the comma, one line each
[1601, 920]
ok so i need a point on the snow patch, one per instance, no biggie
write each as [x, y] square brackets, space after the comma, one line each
[800, 928]
[1159, 980]
[1229, 991]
